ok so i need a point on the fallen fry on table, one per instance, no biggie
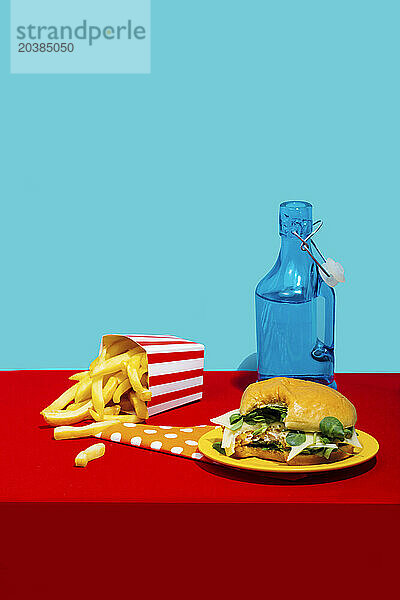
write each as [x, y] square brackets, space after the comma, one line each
[91, 453]
[70, 433]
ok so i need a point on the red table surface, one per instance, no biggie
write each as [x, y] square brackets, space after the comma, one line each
[35, 467]
[142, 523]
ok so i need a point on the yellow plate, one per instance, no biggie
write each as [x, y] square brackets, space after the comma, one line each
[369, 448]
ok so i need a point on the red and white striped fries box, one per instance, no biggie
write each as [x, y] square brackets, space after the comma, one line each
[175, 369]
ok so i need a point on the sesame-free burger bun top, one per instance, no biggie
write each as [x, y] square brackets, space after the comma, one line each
[308, 402]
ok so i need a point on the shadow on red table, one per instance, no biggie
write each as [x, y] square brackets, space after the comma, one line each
[241, 379]
[287, 478]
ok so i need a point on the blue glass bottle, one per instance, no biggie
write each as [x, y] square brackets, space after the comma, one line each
[295, 308]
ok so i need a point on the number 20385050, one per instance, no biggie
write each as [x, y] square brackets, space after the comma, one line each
[49, 47]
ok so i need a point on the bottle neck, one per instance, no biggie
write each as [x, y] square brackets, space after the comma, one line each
[294, 276]
[291, 250]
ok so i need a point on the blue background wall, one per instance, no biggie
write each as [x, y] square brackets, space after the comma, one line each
[149, 203]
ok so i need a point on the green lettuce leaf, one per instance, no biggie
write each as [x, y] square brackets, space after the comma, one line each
[332, 428]
[295, 438]
[268, 414]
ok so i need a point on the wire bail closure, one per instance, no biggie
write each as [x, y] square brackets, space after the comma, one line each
[306, 248]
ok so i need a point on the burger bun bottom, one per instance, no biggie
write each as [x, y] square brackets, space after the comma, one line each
[299, 460]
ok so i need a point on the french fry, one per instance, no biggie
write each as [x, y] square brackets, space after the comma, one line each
[128, 419]
[120, 375]
[84, 389]
[143, 376]
[114, 364]
[115, 409]
[142, 369]
[94, 451]
[132, 370]
[118, 418]
[94, 363]
[97, 387]
[95, 416]
[144, 379]
[123, 369]
[109, 411]
[75, 405]
[97, 395]
[67, 417]
[109, 389]
[139, 406]
[136, 361]
[70, 433]
[63, 400]
[145, 395]
[112, 410]
[123, 387]
[119, 347]
[79, 376]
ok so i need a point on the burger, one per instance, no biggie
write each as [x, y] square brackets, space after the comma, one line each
[290, 420]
